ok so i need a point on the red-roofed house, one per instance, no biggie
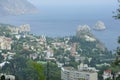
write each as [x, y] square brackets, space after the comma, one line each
[107, 74]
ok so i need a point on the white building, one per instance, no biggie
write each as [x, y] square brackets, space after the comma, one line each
[5, 43]
[14, 30]
[3, 63]
[107, 74]
[60, 64]
[25, 28]
[8, 77]
[49, 54]
[85, 73]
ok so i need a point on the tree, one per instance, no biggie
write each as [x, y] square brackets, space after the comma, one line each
[117, 61]
[118, 78]
[39, 69]
[23, 69]
[115, 67]
[2, 77]
[117, 16]
[1, 58]
[81, 79]
[108, 79]
[54, 72]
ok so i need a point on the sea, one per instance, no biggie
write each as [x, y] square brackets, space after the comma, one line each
[61, 22]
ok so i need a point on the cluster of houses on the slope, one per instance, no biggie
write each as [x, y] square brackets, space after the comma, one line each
[67, 73]
[48, 51]
[8, 55]
[5, 43]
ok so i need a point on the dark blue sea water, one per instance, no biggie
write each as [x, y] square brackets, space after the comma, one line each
[64, 22]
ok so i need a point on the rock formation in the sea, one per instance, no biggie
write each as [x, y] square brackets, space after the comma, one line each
[16, 7]
[84, 28]
[99, 26]
[84, 33]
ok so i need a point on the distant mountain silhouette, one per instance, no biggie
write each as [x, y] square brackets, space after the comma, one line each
[16, 7]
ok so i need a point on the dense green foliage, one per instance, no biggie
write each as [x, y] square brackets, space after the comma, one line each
[24, 69]
[89, 49]
[2, 77]
[115, 66]
[117, 62]
[39, 68]
[52, 71]
[117, 13]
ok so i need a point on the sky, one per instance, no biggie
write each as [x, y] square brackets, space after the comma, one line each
[74, 2]
[92, 8]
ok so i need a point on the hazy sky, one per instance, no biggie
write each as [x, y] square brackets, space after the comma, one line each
[74, 2]
[77, 8]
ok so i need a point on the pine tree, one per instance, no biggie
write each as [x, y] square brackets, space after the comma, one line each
[2, 77]
[117, 62]
[117, 13]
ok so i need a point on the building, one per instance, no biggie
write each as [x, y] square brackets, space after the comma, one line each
[49, 53]
[84, 73]
[107, 74]
[25, 28]
[73, 49]
[7, 77]
[5, 43]
[59, 64]
[14, 30]
[3, 63]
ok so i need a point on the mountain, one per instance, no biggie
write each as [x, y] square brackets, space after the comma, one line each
[16, 7]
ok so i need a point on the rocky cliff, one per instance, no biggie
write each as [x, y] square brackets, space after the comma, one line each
[99, 26]
[85, 35]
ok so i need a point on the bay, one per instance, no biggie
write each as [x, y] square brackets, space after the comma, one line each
[60, 24]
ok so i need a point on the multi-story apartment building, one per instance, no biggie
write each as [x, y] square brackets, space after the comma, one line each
[84, 73]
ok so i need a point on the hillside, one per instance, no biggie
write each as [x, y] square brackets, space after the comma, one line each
[24, 50]
[16, 7]
[87, 41]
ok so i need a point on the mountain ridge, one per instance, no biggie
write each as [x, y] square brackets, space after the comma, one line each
[16, 7]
